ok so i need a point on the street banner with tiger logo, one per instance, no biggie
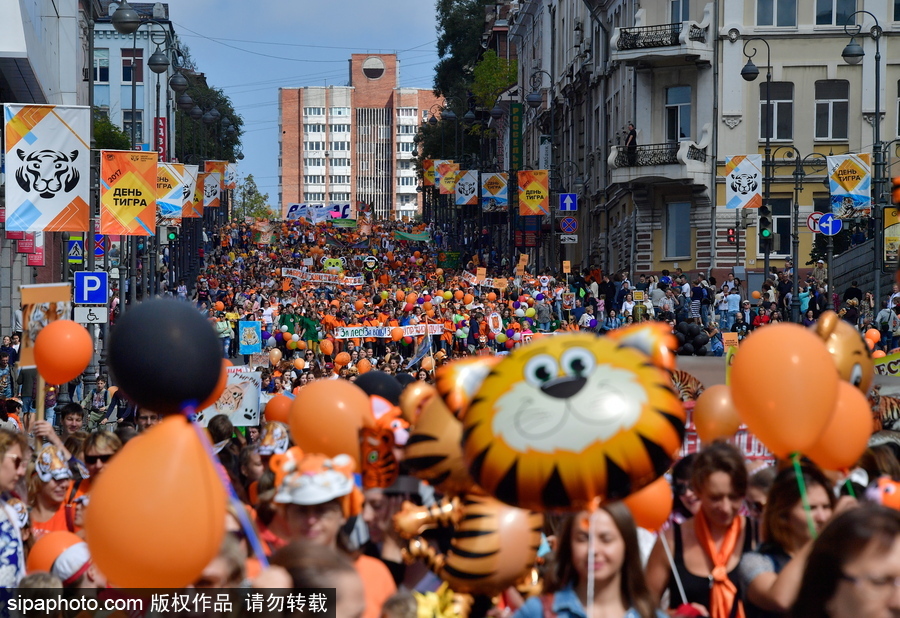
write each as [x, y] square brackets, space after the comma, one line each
[48, 162]
[743, 179]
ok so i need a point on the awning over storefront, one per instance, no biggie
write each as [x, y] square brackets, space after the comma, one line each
[18, 81]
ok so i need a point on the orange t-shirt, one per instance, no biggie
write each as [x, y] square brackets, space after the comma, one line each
[378, 584]
[54, 524]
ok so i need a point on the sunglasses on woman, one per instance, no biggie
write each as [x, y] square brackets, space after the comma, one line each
[92, 459]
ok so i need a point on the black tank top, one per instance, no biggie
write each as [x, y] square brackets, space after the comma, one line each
[697, 588]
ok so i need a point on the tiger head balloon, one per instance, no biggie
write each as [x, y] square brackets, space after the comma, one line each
[848, 348]
[569, 419]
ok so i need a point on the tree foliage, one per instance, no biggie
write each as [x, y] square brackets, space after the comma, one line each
[108, 136]
[249, 202]
[459, 28]
[492, 75]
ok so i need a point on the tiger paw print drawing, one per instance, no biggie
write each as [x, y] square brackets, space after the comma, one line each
[234, 404]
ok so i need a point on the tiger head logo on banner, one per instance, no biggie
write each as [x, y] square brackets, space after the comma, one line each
[743, 179]
[231, 176]
[190, 188]
[128, 182]
[212, 185]
[48, 167]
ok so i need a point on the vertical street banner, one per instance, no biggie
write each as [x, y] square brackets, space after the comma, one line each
[449, 172]
[160, 138]
[199, 193]
[128, 192]
[48, 161]
[428, 172]
[41, 304]
[891, 236]
[494, 192]
[169, 193]
[212, 186]
[534, 192]
[438, 164]
[743, 180]
[850, 182]
[190, 187]
[516, 155]
[37, 258]
[231, 176]
[249, 337]
[217, 167]
[466, 188]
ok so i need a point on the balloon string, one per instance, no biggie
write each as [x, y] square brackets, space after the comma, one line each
[850, 489]
[240, 512]
[801, 484]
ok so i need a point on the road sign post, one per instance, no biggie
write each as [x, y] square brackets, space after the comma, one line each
[568, 202]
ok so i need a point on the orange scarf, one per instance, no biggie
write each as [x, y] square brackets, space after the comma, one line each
[723, 594]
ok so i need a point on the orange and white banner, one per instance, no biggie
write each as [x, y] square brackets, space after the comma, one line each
[128, 192]
[534, 193]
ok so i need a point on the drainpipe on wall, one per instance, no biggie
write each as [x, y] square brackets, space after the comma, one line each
[714, 144]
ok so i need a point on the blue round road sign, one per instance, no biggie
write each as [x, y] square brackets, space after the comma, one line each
[568, 225]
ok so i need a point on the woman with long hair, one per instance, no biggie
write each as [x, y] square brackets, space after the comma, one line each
[618, 585]
[13, 447]
[707, 549]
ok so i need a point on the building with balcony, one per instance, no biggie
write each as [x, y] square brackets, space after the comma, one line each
[344, 144]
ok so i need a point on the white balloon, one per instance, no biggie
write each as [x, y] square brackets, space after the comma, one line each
[520, 313]
[271, 342]
[284, 329]
[517, 337]
[295, 337]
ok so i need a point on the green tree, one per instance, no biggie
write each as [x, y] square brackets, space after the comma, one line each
[492, 75]
[249, 202]
[107, 135]
[460, 24]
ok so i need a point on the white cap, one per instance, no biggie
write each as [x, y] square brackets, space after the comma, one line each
[72, 563]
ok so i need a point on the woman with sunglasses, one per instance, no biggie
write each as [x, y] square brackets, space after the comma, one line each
[12, 469]
[99, 449]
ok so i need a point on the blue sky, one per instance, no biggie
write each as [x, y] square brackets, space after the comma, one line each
[291, 43]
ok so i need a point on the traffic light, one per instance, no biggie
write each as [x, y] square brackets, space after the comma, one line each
[895, 190]
[172, 234]
[764, 227]
[732, 236]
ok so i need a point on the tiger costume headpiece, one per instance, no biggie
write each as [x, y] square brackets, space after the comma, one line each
[568, 419]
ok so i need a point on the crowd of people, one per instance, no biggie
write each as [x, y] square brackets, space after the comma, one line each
[742, 540]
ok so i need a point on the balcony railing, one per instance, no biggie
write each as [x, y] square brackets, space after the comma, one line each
[648, 154]
[649, 36]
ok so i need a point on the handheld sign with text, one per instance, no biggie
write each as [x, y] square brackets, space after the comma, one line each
[567, 267]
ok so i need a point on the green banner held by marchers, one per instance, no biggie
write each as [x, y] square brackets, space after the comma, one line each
[448, 259]
[423, 237]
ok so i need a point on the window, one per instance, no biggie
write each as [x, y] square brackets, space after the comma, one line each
[679, 10]
[103, 110]
[407, 129]
[314, 145]
[406, 181]
[404, 165]
[896, 10]
[339, 179]
[313, 197]
[834, 12]
[424, 115]
[313, 128]
[339, 162]
[364, 130]
[339, 196]
[781, 224]
[678, 113]
[405, 147]
[678, 230]
[364, 166]
[832, 109]
[340, 145]
[313, 111]
[782, 111]
[133, 62]
[138, 116]
[314, 179]
[407, 112]
[314, 162]
[340, 111]
[101, 66]
[340, 128]
[780, 13]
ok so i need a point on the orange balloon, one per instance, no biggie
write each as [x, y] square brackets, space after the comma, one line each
[401, 295]
[756, 294]
[847, 433]
[417, 254]
[159, 494]
[652, 505]
[439, 271]
[396, 333]
[363, 365]
[228, 362]
[878, 354]
[871, 343]
[326, 417]
[427, 306]
[62, 351]
[342, 359]
[491, 296]
[789, 419]
[468, 298]
[279, 408]
[458, 295]
[715, 415]
[274, 356]
[299, 364]
[359, 305]
[428, 363]
[411, 298]
[326, 346]
[301, 345]
[220, 306]
[218, 390]
[873, 334]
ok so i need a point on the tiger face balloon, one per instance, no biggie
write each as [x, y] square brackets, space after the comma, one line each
[569, 419]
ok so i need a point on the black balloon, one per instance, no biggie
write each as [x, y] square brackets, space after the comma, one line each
[164, 355]
[687, 350]
[700, 340]
[700, 352]
[693, 330]
[404, 379]
[682, 327]
[376, 299]
[680, 337]
[381, 384]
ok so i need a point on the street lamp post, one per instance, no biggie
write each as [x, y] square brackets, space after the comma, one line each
[750, 72]
[853, 53]
[534, 99]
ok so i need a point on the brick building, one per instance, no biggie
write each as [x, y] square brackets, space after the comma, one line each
[353, 143]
